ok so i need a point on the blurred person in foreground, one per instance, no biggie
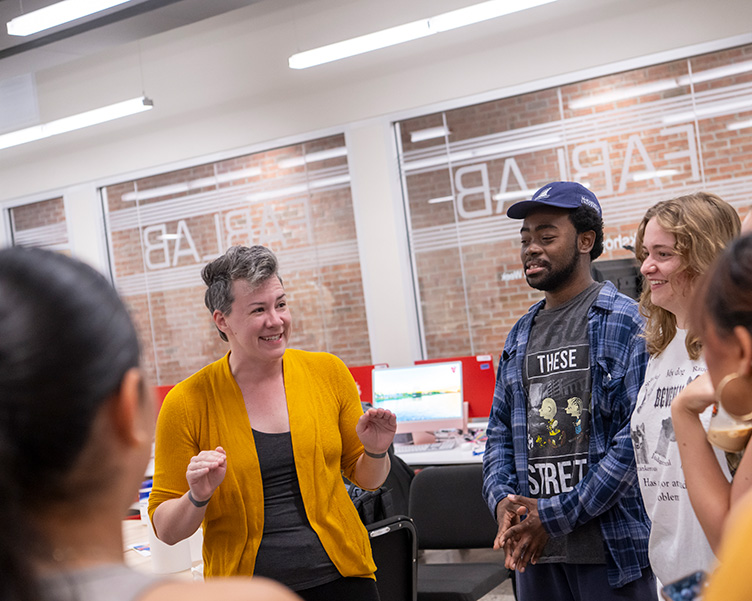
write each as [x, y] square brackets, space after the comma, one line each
[559, 454]
[676, 242]
[722, 315]
[76, 426]
[253, 447]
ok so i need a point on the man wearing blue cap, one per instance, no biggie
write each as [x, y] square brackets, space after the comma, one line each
[559, 469]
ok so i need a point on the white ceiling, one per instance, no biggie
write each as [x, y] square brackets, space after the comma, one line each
[221, 86]
[119, 25]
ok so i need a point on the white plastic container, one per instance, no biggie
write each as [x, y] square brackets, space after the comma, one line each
[168, 559]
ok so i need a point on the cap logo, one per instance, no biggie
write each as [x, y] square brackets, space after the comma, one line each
[586, 201]
[543, 194]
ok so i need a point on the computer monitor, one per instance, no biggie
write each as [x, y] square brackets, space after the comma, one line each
[425, 398]
[623, 273]
[478, 382]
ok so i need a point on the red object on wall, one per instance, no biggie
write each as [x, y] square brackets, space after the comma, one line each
[363, 378]
[160, 392]
[478, 382]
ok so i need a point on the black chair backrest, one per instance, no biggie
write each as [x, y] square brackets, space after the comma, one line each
[448, 509]
[395, 552]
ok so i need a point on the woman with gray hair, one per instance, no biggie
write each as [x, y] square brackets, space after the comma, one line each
[254, 445]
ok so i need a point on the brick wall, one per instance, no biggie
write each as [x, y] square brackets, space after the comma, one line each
[164, 228]
[38, 214]
[466, 251]
[41, 224]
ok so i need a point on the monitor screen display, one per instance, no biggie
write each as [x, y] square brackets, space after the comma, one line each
[425, 398]
[623, 273]
[478, 382]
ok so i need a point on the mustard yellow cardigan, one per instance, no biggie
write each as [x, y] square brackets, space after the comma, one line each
[732, 578]
[207, 410]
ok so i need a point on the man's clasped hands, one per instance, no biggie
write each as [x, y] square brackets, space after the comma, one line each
[521, 533]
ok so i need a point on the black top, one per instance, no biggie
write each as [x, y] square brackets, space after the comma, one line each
[290, 550]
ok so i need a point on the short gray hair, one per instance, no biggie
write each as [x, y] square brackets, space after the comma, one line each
[254, 264]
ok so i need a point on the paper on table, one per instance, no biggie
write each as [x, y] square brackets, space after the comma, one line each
[142, 549]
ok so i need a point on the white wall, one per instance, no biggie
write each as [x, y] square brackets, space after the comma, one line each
[382, 244]
[222, 86]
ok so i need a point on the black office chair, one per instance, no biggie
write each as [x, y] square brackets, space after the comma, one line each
[449, 512]
[395, 552]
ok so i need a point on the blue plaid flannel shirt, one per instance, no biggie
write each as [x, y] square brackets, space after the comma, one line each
[609, 491]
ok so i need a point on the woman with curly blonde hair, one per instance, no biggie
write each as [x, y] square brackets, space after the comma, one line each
[676, 242]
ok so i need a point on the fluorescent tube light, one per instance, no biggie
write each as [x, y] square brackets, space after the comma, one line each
[410, 31]
[525, 194]
[61, 126]
[739, 125]
[711, 110]
[313, 157]
[477, 13]
[717, 73]
[641, 176]
[204, 182]
[660, 86]
[464, 155]
[429, 133]
[359, 45]
[623, 93]
[57, 14]
[231, 176]
[434, 201]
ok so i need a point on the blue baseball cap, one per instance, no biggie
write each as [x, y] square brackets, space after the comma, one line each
[565, 195]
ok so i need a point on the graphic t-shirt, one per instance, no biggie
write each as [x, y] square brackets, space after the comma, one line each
[557, 378]
[677, 543]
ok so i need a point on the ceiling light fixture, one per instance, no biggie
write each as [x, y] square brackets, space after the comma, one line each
[710, 110]
[526, 144]
[716, 73]
[739, 125]
[437, 200]
[526, 193]
[313, 157]
[623, 94]
[410, 31]
[661, 85]
[642, 176]
[61, 126]
[192, 185]
[57, 14]
[429, 133]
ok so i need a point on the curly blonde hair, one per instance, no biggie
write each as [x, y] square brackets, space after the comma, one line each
[702, 224]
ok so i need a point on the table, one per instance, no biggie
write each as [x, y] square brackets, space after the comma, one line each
[461, 454]
[465, 452]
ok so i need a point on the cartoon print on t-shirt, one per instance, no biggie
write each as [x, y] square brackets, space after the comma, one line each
[558, 429]
[640, 444]
[549, 429]
[574, 408]
[548, 411]
[665, 436]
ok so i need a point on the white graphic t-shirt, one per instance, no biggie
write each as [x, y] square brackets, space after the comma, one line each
[677, 543]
